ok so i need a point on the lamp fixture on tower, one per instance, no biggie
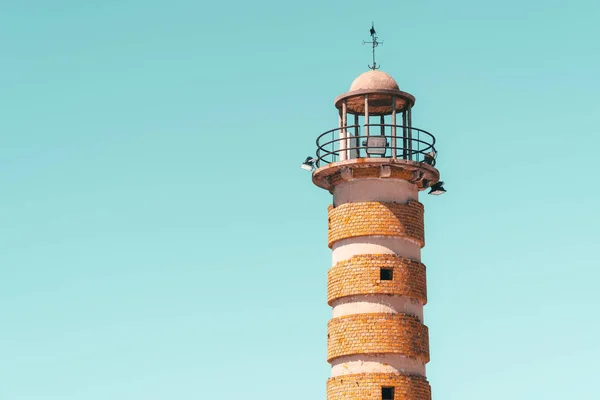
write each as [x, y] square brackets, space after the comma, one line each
[308, 164]
[437, 188]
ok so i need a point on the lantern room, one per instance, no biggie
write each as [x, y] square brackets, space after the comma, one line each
[375, 128]
[375, 120]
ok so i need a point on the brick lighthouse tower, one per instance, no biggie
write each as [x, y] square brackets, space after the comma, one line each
[375, 166]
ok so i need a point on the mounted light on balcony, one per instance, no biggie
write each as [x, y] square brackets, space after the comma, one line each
[437, 188]
[308, 164]
[376, 145]
[429, 158]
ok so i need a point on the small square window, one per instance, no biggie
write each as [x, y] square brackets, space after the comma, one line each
[387, 393]
[386, 274]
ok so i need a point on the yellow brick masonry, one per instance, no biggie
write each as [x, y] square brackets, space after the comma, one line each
[376, 218]
[368, 387]
[377, 333]
[360, 275]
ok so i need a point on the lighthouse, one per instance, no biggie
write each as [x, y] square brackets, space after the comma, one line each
[375, 163]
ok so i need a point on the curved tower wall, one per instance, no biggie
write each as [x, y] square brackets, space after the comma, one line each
[376, 336]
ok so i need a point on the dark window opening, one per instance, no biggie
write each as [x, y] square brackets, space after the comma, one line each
[387, 393]
[386, 274]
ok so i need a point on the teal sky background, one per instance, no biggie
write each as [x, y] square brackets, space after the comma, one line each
[158, 239]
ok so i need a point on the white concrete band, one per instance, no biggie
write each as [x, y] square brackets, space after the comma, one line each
[387, 363]
[374, 189]
[376, 303]
[347, 248]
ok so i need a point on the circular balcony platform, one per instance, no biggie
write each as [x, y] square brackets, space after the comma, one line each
[419, 173]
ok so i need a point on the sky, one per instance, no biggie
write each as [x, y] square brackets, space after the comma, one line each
[158, 239]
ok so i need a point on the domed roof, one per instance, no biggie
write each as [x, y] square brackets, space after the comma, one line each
[373, 80]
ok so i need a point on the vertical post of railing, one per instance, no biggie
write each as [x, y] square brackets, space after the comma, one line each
[340, 124]
[394, 155]
[331, 149]
[366, 115]
[355, 142]
[366, 120]
[382, 133]
[343, 133]
[409, 123]
[404, 132]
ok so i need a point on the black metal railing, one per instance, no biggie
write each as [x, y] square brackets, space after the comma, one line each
[407, 143]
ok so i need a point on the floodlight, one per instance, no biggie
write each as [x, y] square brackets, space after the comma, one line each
[375, 145]
[430, 158]
[437, 189]
[308, 164]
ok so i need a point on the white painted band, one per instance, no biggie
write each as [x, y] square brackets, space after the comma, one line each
[374, 189]
[377, 303]
[347, 248]
[387, 363]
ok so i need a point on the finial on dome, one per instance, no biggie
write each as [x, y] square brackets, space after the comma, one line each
[375, 43]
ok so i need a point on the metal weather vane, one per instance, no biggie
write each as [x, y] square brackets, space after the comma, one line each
[375, 43]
